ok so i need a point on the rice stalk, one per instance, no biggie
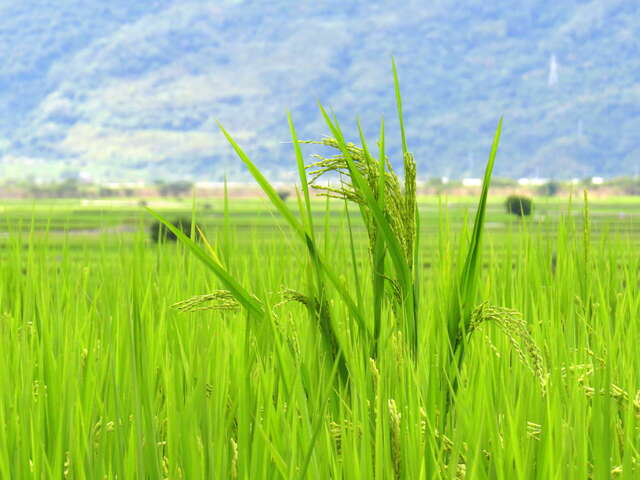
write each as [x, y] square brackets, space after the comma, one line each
[464, 289]
[289, 295]
[396, 449]
[621, 396]
[517, 331]
[319, 309]
[234, 459]
[399, 203]
[216, 300]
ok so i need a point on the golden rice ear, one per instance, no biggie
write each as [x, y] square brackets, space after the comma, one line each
[217, 300]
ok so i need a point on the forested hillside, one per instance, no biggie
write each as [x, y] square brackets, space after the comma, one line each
[124, 90]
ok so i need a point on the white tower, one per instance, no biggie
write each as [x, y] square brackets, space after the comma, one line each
[553, 71]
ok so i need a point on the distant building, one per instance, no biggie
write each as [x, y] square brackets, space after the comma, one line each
[532, 181]
[471, 182]
[117, 185]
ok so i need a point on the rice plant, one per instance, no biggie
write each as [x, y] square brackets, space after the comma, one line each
[388, 207]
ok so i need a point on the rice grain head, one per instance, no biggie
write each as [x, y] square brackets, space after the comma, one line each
[515, 328]
[216, 300]
[400, 203]
[234, 459]
[395, 416]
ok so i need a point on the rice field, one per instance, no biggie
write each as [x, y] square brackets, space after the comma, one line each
[105, 380]
[366, 334]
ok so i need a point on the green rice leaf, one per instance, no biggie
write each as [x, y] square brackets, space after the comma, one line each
[463, 303]
[302, 172]
[299, 229]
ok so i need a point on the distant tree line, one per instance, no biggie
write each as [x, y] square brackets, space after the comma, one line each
[174, 189]
[73, 187]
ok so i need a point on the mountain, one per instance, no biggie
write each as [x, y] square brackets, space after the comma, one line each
[133, 90]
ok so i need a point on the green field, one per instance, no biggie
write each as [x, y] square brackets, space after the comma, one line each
[103, 379]
[77, 223]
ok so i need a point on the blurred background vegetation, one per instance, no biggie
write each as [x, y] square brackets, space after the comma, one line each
[126, 91]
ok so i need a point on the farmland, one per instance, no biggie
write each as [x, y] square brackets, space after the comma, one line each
[189, 292]
[103, 379]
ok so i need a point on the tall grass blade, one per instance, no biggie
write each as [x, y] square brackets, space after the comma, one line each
[464, 293]
[469, 278]
[302, 172]
[411, 213]
[379, 252]
[298, 228]
[266, 186]
[396, 84]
